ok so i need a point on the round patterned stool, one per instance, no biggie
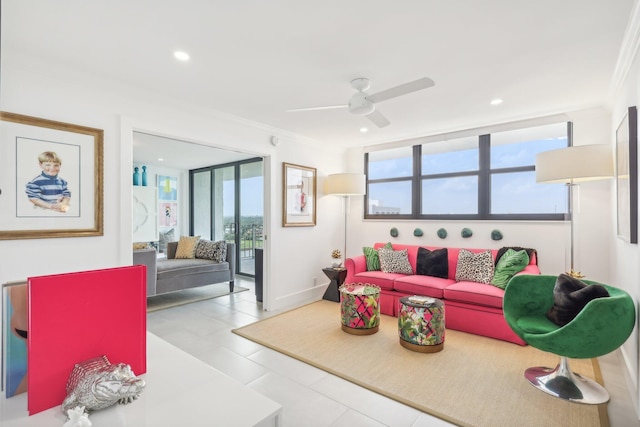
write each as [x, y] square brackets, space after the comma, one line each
[421, 324]
[360, 308]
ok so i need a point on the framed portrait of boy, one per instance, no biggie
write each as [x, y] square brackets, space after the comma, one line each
[51, 178]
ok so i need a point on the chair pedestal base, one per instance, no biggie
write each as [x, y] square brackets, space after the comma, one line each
[561, 382]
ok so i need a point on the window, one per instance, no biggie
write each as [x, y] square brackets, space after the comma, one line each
[449, 177]
[227, 204]
[489, 176]
[390, 173]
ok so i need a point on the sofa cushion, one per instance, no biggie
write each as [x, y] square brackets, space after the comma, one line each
[372, 258]
[141, 245]
[429, 286]
[433, 263]
[215, 251]
[170, 268]
[394, 261]
[384, 280]
[474, 267]
[475, 293]
[532, 253]
[164, 238]
[510, 263]
[187, 247]
[412, 251]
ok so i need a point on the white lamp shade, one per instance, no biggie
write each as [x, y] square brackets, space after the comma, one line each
[575, 164]
[345, 184]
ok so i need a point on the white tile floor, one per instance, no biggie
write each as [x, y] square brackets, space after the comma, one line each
[310, 396]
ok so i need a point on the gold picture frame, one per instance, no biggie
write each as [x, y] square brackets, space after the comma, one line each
[298, 196]
[66, 202]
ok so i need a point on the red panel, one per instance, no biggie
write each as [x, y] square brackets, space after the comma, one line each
[78, 316]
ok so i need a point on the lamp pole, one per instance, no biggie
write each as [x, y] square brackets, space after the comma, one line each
[345, 201]
[572, 272]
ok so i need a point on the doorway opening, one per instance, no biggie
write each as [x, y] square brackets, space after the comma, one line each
[220, 192]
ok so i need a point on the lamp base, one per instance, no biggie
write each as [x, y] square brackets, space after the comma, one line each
[575, 274]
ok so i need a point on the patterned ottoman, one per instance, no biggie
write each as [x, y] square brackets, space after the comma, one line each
[421, 324]
[360, 308]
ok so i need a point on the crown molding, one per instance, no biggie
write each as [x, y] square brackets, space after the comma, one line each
[628, 50]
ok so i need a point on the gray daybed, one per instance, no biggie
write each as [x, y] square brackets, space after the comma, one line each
[170, 274]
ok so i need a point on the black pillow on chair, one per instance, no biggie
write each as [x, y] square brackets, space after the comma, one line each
[570, 295]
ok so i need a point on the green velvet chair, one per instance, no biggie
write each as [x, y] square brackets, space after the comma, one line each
[602, 326]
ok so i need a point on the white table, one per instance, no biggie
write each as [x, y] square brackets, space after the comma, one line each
[181, 391]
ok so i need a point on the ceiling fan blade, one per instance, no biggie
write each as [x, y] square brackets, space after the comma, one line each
[403, 89]
[326, 107]
[378, 119]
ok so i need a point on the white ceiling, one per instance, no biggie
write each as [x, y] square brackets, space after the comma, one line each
[157, 150]
[256, 59]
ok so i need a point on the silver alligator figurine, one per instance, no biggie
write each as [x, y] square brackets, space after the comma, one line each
[97, 384]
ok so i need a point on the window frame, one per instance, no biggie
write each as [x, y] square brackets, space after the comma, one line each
[484, 174]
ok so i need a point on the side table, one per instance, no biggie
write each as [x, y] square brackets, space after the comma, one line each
[421, 324]
[360, 308]
[337, 276]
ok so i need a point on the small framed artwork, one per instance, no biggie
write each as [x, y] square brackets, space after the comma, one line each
[167, 187]
[627, 176]
[298, 196]
[167, 201]
[168, 214]
[51, 179]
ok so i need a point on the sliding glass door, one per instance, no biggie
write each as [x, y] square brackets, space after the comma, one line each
[227, 204]
[251, 214]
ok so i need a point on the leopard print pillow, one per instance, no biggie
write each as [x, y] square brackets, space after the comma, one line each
[474, 267]
[394, 261]
[215, 251]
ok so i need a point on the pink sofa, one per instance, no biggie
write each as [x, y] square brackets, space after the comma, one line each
[469, 306]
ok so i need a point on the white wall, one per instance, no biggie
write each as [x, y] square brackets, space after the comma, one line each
[624, 257]
[295, 256]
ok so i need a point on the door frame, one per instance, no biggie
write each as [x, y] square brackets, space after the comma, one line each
[127, 127]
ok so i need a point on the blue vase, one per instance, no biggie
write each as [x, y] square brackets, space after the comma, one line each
[136, 176]
[144, 176]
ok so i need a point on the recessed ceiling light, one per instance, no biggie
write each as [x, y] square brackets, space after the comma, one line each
[160, 159]
[496, 101]
[182, 56]
[364, 130]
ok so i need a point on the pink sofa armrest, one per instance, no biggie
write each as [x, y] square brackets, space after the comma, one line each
[354, 265]
[529, 269]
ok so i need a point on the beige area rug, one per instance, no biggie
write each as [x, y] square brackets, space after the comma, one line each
[473, 381]
[187, 296]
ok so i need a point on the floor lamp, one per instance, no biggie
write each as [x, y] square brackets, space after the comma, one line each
[345, 185]
[572, 165]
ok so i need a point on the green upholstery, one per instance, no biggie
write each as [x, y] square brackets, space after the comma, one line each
[603, 325]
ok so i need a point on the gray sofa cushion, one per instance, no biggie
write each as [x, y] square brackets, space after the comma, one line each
[170, 268]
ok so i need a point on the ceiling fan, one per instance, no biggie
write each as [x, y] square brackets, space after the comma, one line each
[363, 104]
